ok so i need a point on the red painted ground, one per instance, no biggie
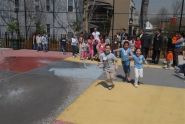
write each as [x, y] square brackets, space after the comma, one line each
[25, 60]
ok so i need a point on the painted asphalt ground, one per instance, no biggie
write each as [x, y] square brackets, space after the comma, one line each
[160, 100]
[37, 94]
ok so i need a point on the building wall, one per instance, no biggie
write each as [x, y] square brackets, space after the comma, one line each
[62, 18]
[121, 14]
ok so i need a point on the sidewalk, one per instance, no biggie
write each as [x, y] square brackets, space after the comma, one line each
[126, 105]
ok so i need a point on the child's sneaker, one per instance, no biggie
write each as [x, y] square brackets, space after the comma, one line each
[135, 85]
[167, 68]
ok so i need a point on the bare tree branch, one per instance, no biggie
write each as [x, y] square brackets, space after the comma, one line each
[176, 7]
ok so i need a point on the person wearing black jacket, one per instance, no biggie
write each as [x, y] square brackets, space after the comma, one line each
[63, 42]
[157, 45]
[146, 40]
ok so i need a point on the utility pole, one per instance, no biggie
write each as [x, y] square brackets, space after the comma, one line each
[143, 13]
[182, 8]
[85, 18]
[131, 22]
[17, 18]
[53, 19]
[25, 18]
[113, 21]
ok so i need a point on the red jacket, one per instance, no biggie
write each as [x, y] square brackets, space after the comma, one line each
[137, 44]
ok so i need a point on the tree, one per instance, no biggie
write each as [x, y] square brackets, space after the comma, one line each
[176, 7]
[40, 29]
[160, 18]
[13, 27]
[163, 14]
[85, 15]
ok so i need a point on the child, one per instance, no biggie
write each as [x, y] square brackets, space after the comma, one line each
[125, 40]
[138, 66]
[107, 59]
[169, 59]
[84, 50]
[80, 41]
[125, 53]
[138, 43]
[132, 44]
[101, 46]
[90, 47]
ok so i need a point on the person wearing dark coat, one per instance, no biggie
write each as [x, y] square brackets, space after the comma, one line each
[157, 45]
[146, 40]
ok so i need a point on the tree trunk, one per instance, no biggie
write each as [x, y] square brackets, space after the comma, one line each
[85, 18]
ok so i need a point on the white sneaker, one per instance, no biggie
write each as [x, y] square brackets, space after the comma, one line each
[135, 85]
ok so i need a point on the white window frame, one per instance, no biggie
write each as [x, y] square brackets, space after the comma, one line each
[68, 6]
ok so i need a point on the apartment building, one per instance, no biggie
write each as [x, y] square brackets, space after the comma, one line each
[124, 11]
[56, 17]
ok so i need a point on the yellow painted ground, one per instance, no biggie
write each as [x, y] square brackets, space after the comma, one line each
[127, 105]
[77, 59]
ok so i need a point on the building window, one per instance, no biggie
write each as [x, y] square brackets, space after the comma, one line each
[16, 5]
[47, 5]
[70, 5]
[69, 35]
[0, 34]
[48, 29]
[37, 8]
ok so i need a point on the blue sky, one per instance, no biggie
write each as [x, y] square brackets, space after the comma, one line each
[155, 5]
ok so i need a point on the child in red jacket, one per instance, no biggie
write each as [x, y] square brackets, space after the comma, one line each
[138, 43]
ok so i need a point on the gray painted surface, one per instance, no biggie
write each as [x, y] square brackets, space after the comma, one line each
[38, 96]
[152, 76]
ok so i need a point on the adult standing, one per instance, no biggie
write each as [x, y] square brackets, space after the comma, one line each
[123, 34]
[45, 42]
[146, 40]
[96, 35]
[34, 42]
[157, 45]
[178, 47]
[38, 41]
[63, 42]
[74, 45]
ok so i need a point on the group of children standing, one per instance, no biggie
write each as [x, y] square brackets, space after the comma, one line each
[90, 47]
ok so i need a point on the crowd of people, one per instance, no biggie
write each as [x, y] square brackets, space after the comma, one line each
[40, 42]
[96, 46]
